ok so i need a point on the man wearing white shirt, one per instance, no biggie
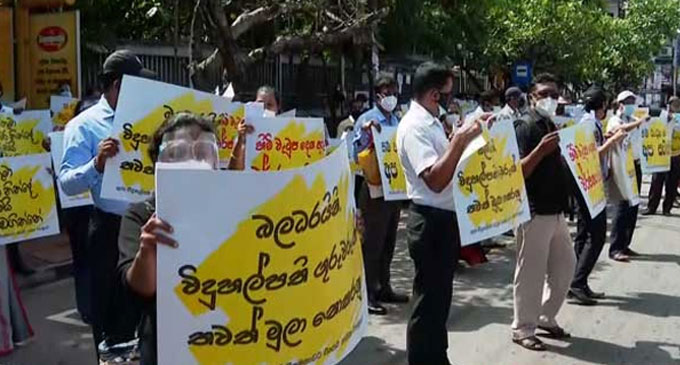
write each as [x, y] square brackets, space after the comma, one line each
[429, 159]
[513, 100]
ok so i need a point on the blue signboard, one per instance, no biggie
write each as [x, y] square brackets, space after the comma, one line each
[521, 73]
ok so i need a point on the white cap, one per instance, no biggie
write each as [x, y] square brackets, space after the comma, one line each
[625, 95]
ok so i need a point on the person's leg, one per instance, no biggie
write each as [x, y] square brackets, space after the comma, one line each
[585, 261]
[375, 214]
[671, 186]
[655, 192]
[582, 229]
[394, 209]
[619, 235]
[77, 221]
[533, 240]
[426, 336]
[560, 270]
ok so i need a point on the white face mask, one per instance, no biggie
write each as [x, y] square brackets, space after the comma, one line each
[388, 103]
[269, 113]
[547, 107]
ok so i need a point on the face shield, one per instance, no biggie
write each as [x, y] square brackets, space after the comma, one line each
[191, 147]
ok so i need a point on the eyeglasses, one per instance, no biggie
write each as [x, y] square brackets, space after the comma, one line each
[182, 150]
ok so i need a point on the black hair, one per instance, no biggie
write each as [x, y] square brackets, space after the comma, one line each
[428, 76]
[488, 96]
[106, 80]
[361, 98]
[543, 78]
[594, 99]
[382, 81]
[174, 123]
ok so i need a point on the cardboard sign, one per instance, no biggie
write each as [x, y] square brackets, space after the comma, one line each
[488, 187]
[67, 201]
[579, 148]
[25, 133]
[63, 109]
[285, 143]
[28, 207]
[275, 276]
[675, 140]
[656, 146]
[623, 171]
[391, 169]
[564, 122]
[143, 106]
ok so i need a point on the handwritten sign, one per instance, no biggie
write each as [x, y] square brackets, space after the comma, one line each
[284, 143]
[28, 208]
[579, 149]
[143, 106]
[488, 187]
[391, 170]
[623, 171]
[57, 152]
[656, 146]
[277, 278]
[25, 133]
[63, 109]
[675, 140]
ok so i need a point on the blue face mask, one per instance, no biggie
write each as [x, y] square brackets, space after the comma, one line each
[628, 110]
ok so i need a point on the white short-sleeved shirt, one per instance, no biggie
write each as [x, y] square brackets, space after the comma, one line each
[635, 135]
[421, 141]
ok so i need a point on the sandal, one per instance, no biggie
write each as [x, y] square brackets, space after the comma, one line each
[530, 343]
[556, 332]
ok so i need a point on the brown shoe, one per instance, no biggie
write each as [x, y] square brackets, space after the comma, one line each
[530, 343]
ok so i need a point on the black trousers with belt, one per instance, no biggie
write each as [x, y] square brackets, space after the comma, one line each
[624, 221]
[103, 259]
[669, 181]
[434, 245]
[381, 220]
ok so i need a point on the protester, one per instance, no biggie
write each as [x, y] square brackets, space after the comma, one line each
[592, 232]
[513, 103]
[87, 146]
[267, 96]
[489, 101]
[625, 216]
[76, 222]
[545, 256]
[429, 159]
[669, 179]
[380, 216]
[183, 138]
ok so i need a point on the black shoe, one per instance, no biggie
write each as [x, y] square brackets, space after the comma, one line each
[389, 296]
[631, 253]
[376, 308]
[593, 294]
[579, 296]
[648, 212]
[666, 214]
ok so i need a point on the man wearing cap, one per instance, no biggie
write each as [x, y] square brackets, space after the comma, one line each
[87, 146]
[513, 103]
[592, 232]
[668, 179]
[625, 216]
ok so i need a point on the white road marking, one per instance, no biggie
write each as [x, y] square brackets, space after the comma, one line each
[63, 317]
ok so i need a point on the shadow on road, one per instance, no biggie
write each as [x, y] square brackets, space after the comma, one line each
[600, 352]
[373, 350]
[658, 258]
[651, 304]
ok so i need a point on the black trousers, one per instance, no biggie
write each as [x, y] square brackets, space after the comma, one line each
[591, 234]
[434, 245]
[669, 180]
[103, 259]
[624, 221]
[381, 220]
[77, 221]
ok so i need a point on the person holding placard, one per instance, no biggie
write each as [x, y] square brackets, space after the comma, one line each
[184, 139]
[267, 96]
[625, 216]
[87, 146]
[545, 257]
[592, 232]
[429, 159]
[381, 217]
[669, 179]
[513, 103]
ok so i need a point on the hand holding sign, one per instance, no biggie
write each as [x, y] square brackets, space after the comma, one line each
[549, 143]
[107, 148]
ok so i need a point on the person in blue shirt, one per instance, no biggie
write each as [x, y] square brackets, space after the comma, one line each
[381, 217]
[87, 146]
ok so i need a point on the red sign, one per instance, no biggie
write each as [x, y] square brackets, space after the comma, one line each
[52, 39]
